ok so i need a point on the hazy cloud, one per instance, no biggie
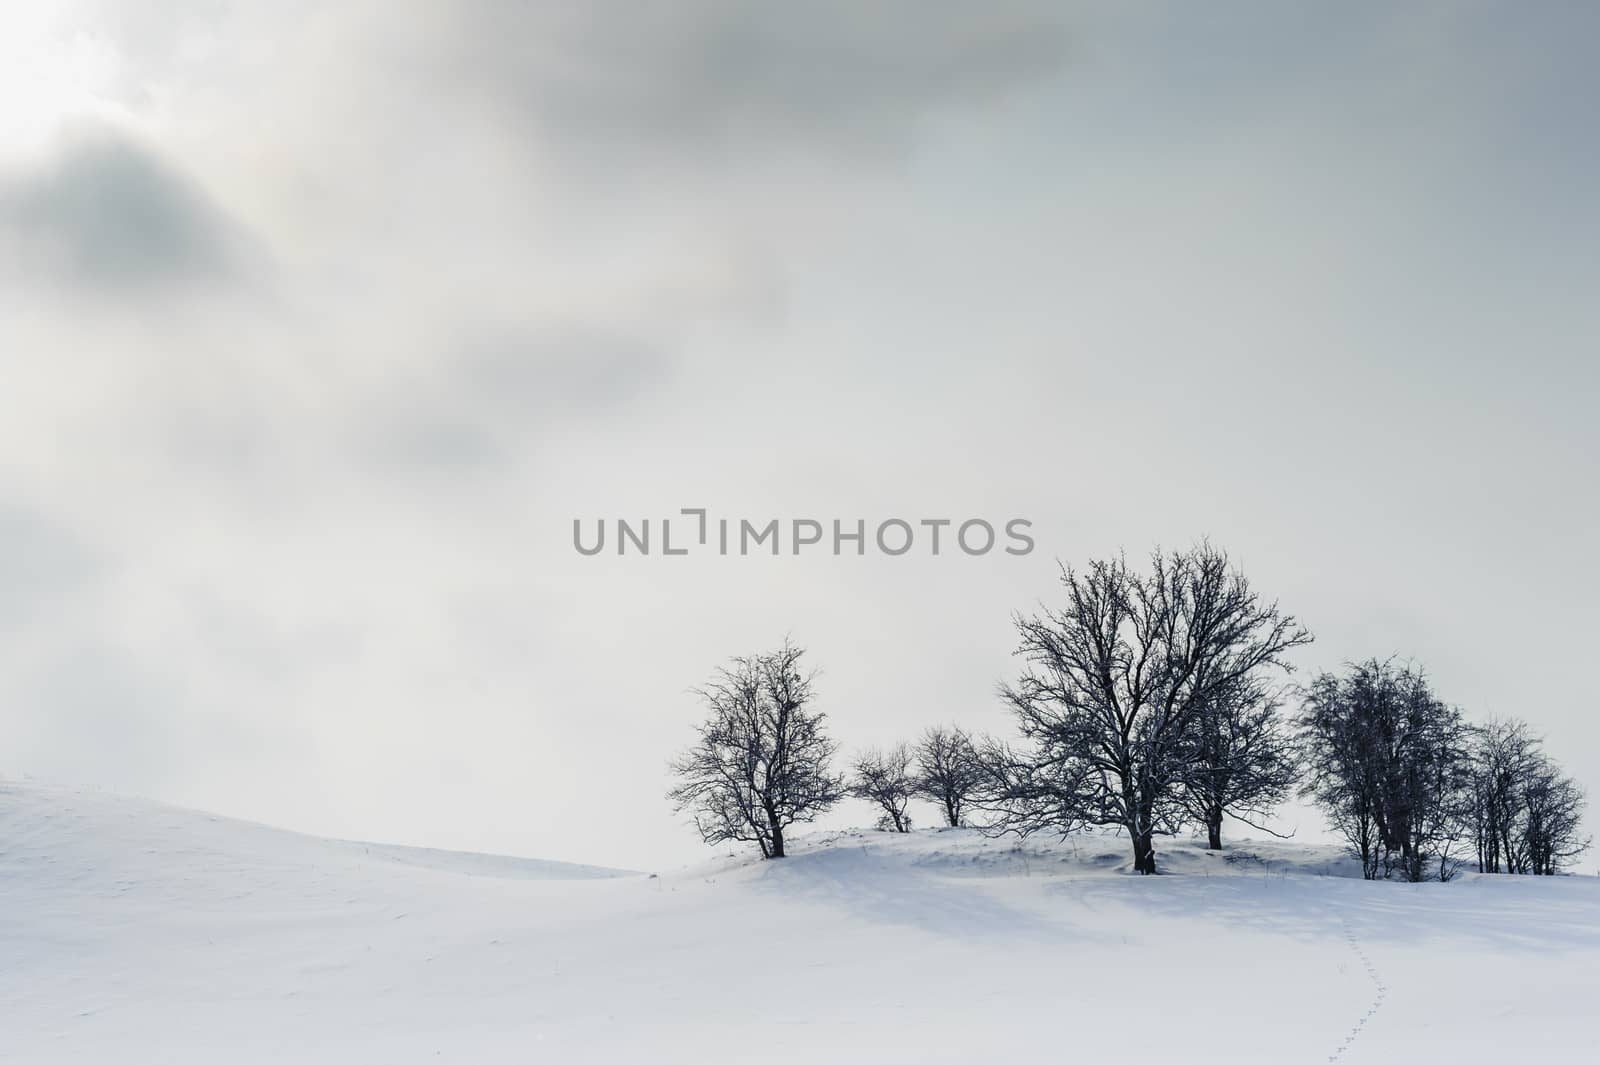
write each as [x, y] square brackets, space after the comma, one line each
[558, 371]
[723, 76]
[492, 394]
[42, 564]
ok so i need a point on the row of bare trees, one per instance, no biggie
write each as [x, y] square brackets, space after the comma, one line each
[1415, 789]
[1150, 701]
[1524, 813]
[762, 761]
[942, 768]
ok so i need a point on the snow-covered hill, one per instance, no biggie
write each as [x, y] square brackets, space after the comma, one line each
[131, 932]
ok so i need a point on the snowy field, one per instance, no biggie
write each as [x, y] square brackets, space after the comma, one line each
[132, 932]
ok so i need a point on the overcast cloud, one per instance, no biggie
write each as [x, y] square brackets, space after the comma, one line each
[319, 326]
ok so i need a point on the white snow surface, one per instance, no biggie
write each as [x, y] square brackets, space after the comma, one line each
[134, 932]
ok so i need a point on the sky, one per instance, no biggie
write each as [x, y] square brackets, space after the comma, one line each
[321, 324]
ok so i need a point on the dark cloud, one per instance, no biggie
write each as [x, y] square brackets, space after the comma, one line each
[108, 213]
[723, 75]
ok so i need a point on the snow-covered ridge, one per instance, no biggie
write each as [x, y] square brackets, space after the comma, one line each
[133, 932]
[79, 837]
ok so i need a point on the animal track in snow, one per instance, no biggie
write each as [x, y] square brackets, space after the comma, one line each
[1377, 983]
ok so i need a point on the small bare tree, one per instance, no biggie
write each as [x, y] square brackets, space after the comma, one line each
[1238, 760]
[761, 763]
[948, 773]
[886, 779]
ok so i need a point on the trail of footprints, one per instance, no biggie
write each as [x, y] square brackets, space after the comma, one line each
[1377, 982]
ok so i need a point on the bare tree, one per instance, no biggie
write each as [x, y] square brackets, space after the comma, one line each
[761, 762]
[1113, 683]
[948, 773]
[1523, 811]
[1388, 762]
[1555, 812]
[1238, 760]
[886, 778]
[1338, 756]
[1505, 756]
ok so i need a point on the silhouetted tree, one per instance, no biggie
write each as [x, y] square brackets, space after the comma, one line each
[1238, 760]
[761, 762]
[1523, 811]
[1113, 684]
[947, 771]
[1504, 758]
[886, 779]
[1388, 763]
[1554, 819]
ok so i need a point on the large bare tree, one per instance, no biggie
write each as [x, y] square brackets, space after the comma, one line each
[1113, 682]
[762, 760]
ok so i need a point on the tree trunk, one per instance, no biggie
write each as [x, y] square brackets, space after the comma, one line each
[1144, 854]
[777, 841]
[1214, 832]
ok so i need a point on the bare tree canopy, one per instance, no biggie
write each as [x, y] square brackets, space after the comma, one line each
[761, 762]
[1523, 811]
[1113, 683]
[1238, 759]
[947, 771]
[1386, 760]
[886, 779]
